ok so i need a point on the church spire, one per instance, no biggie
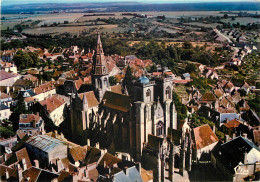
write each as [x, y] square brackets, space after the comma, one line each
[99, 66]
[99, 45]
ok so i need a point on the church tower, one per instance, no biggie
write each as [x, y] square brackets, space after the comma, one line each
[100, 78]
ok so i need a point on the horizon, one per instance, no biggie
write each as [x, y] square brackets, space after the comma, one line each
[28, 2]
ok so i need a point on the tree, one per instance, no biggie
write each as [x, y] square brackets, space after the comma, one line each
[187, 45]
[190, 68]
[24, 60]
[181, 109]
[226, 16]
[20, 108]
[127, 82]
[112, 80]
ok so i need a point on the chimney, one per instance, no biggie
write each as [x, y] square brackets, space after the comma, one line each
[234, 135]
[97, 145]
[245, 135]
[24, 164]
[7, 90]
[226, 138]
[245, 158]
[36, 163]
[88, 142]
[105, 164]
[214, 129]
[56, 133]
[20, 172]
[7, 174]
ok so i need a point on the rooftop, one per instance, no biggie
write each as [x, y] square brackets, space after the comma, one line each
[44, 142]
[204, 136]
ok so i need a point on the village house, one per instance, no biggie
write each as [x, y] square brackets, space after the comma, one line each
[54, 108]
[7, 55]
[7, 79]
[8, 67]
[45, 90]
[204, 141]
[236, 159]
[46, 148]
[31, 124]
[5, 99]
[5, 112]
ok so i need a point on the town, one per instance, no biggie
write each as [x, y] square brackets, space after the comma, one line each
[98, 106]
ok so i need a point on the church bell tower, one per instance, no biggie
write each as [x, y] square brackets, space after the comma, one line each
[100, 78]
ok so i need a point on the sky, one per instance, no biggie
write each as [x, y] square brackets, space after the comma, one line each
[15, 2]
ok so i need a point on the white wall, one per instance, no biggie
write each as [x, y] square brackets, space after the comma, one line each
[206, 149]
[57, 115]
[5, 114]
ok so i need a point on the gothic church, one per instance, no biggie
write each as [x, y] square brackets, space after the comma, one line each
[109, 117]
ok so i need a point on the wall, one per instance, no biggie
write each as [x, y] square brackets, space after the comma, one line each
[5, 114]
[57, 115]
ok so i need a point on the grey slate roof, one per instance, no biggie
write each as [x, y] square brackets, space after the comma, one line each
[44, 142]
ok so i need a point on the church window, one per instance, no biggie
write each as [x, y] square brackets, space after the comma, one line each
[168, 93]
[105, 82]
[99, 84]
[159, 128]
[148, 95]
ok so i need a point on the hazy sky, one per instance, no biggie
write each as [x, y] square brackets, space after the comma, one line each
[13, 2]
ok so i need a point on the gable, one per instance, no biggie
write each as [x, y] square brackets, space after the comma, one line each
[159, 110]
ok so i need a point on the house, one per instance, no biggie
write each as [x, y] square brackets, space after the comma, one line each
[46, 148]
[5, 112]
[8, 67]
[236, 159]
[38, 174]
[235, 61]
[45, 90]
[225, 115]
[211, 73]
[7, 79]
[31, 78]
[5, 99]
[186, 76]
[205, 140]
[208, 99]
[246, 88]
[54, 108]
[31, 124]
[229, 87]
[233, 126]
[23, 84]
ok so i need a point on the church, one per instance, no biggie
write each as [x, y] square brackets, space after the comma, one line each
[109, 117]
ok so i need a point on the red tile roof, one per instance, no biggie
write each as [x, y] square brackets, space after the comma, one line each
[4, 96]
[23, 154]
[4, 75]
[52, 103]
[32, 173]
[208, 96]
[204, 136]
[45, 87]
[78, 83]
[232, 123]
[91, 98]
[27, 118]
[78, 153]
[116, 89]
[181, 81]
